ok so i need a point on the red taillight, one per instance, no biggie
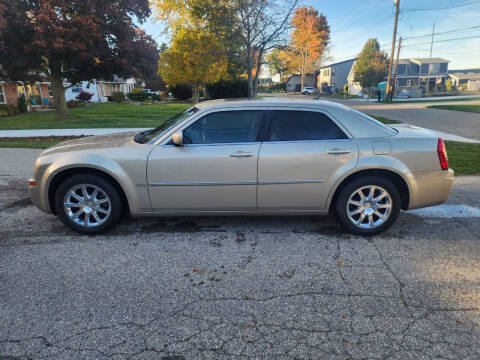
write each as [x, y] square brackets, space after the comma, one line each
[442, 154]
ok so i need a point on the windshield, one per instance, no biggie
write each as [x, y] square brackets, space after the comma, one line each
[147, 136]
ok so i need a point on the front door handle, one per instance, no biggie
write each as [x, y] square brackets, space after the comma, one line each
[241, 154]
[338, 151]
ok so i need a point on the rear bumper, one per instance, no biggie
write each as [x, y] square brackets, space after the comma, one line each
[430, 188]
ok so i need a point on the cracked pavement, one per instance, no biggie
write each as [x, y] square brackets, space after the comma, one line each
[236, 287]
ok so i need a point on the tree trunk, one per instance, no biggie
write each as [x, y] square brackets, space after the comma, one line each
[249, 72]
[257, 73]
[196, 93]
[58, 89]
[304, 64]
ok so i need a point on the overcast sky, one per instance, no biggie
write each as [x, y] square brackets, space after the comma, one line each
[352, 22]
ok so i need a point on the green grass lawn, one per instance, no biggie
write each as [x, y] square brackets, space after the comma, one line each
[464, 158]
[467, 108]
[385, 120]
[106, 115]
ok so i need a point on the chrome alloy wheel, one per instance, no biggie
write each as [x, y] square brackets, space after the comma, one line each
[87, 205]
[369, 207]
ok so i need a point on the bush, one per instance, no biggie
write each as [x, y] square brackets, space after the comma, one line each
[228, 89]
[73, 103]
[8, 110]
[22, 104]
[84, 96]
[117, 96]
[449, 85]
[138, 95]
[182, 92]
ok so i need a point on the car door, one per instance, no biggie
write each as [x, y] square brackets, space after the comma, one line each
[303, 153]
[215, 169]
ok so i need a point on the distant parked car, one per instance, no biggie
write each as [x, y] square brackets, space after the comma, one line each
[403, 94]
[151, 91]
[309, 90]
[257, 157]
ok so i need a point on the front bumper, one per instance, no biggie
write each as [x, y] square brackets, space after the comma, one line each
[39, 197]
[430, 188]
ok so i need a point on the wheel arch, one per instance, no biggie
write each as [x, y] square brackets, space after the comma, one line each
[397, 179]
[61, 175]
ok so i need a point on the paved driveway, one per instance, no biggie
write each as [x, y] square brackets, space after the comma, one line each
[240, 287]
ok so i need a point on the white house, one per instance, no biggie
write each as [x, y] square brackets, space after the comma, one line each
[102, 89]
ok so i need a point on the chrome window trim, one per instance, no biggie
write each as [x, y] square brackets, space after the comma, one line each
[213, 144]
[306, 141]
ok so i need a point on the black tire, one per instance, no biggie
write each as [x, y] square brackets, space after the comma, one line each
[103, 184]
[344, 195]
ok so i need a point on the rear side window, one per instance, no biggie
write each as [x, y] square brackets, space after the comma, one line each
[303, 125]
[225, 127]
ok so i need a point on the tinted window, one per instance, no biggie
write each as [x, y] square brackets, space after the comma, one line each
[224, 127]
[303, 125]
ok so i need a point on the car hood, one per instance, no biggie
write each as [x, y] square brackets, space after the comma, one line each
[92, 142]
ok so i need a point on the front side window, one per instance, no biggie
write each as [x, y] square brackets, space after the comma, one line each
[224, 127]
[303, 125]
[3, 98]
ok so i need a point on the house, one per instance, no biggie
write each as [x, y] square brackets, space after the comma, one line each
[418, 73]
[294, 82]
[102, 89]
[335, 75]
[421, 73]
[39, 94]
[469, 81]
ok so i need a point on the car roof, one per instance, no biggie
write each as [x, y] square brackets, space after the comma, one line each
[272, 101]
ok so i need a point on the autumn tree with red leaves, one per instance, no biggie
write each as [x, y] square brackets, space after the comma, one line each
[75, 40]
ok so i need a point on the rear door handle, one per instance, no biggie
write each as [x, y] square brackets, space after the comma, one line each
[338, 151]
[241, 154]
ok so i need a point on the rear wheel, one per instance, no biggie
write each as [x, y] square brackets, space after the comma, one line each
[368, 205]
[88, 204]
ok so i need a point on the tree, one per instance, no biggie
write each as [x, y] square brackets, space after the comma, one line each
[371, 66]
[248, 27]
[309, 38]
[449, 85]
[277, 61]
[193, 58]
[76, 40]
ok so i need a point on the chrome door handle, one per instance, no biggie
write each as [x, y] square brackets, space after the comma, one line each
[241, 154]
[338, 151]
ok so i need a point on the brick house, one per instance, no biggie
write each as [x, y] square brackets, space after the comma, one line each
[38, 94]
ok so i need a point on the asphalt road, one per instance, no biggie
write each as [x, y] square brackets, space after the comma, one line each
[239, 287]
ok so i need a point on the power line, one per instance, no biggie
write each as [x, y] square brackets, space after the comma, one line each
[439, 41]
[445, 32]
[442, 8]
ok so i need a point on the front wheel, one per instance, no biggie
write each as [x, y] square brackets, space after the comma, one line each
[368, 205]
[88, 204]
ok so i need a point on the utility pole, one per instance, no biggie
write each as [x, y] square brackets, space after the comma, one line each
[397, 10]
[430, 61]
[396, 69]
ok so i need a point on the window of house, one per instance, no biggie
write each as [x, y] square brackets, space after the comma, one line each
[3, 98]
[75, 89]
[50, 90]
[224, 127]
[333, 72]
[434, 68]
[303, 125]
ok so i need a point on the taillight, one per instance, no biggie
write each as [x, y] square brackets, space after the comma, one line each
[442, 154]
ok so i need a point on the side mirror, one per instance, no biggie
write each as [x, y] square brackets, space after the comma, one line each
[177, 138]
